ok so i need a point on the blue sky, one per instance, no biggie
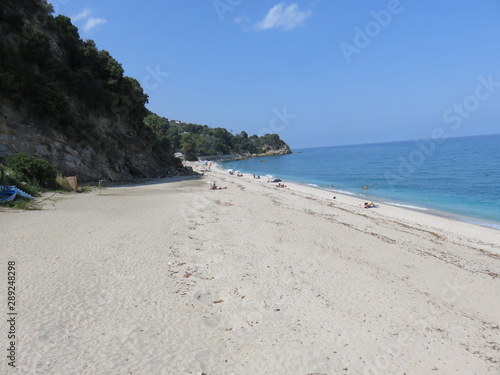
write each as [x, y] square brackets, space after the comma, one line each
[318, 73]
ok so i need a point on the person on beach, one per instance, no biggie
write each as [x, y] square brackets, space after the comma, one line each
[215, 187]
[370, 205]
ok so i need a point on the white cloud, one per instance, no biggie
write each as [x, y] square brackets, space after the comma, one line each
[83, 14]
[241, 19]
[93, 22]
[286, 18]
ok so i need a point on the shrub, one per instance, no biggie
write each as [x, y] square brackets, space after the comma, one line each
[62, 183]
[32, 170]
[31, 187]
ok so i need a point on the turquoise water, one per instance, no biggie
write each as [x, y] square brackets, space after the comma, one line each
[456, 177]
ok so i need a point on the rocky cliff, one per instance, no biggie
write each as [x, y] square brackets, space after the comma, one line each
[275, 152]
[135, 158]
[64, 100]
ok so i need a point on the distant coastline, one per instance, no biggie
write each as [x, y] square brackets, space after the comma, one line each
[446, 182]
[244, 156]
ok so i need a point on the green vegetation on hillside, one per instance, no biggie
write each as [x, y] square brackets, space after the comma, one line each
[49, 78]
[199, 140]
[64, 83]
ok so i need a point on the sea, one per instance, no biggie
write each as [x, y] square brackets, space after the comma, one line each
[458, 178]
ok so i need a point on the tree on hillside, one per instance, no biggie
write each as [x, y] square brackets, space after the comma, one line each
[65, 83]
[160, 125]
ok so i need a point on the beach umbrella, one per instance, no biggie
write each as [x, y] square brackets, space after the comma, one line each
[211, 182]
[230, 170]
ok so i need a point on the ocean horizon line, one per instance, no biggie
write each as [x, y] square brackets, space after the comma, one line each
[390, 142]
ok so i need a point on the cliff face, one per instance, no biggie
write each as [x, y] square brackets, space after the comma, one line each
[19, 133]
[274, 152]
[63, 100]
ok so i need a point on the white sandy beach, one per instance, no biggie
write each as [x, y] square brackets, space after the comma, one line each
[169, 277]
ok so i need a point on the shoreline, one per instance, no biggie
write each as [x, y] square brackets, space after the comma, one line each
[170, 277]
[481, 222]
[424, 210]
[386, 211]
